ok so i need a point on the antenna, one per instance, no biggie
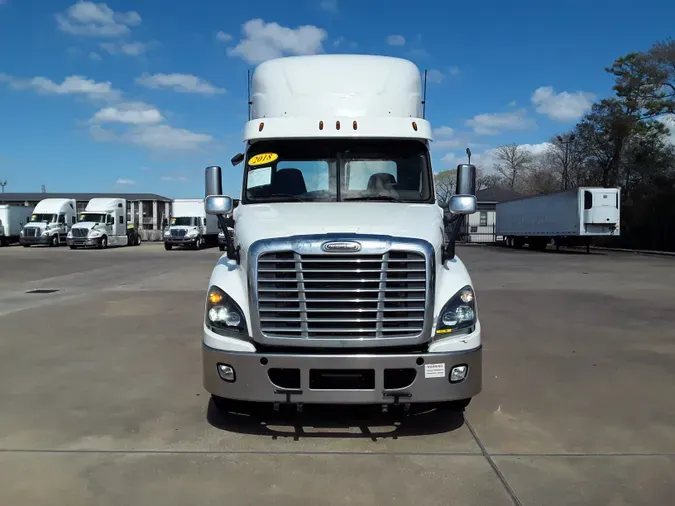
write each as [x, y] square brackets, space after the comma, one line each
[424, 96]
[248, 92]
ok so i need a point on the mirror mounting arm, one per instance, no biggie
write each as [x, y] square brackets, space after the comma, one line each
[455, 223]
[231, 252]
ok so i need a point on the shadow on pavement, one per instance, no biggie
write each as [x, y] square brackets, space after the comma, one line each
[328, 421]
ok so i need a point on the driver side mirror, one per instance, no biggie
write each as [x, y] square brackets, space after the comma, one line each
[237, 159]
[462, 204]
[218, 204]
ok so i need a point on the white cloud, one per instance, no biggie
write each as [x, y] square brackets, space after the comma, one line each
[669, 121]
[487, 158]
[512, 103]
[125, 182]
[263, 41]
[71, 85]
[444, 131]
[435, 76]
[180, 179]
[491, 124]
[134, 113]
[166, 137]
[395, 40]
[183, 83]
[562, 106]
[223, 37]
[329, 5]
[444, 138]
[342, 42]
[454, 70]
[96, 20]
[127, 48]
[95, 56]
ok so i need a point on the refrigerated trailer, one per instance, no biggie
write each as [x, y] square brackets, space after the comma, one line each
[12, 220]
[566, 218]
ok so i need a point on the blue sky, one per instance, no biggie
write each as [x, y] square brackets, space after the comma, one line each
[141, 96]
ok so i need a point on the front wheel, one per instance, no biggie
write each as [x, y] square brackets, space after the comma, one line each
[54, 241]
[73, 247]
[104, 243]
[168, 246]
[221, 247]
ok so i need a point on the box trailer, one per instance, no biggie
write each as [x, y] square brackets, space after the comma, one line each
[12, 220]
[567, 218]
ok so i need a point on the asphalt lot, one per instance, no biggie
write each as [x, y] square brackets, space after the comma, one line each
[101, 399]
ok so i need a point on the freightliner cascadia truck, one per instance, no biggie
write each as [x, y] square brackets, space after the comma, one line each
[340, 283]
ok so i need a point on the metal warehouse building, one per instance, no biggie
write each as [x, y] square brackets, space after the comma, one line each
[147, 211]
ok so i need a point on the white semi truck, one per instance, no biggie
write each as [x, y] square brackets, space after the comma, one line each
[190, 225]
[341, 283]
[50, 223]
[566, 218]
[12, 220]
[103, 223]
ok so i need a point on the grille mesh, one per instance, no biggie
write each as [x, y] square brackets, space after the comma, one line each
[79, 232]
[345, 296]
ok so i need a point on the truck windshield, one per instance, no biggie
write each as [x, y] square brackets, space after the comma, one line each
[42, 218]
[184, 221]
[334, 170]
[92, 217]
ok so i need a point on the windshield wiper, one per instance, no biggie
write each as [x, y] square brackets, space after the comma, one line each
[285, 195]
[376, 197]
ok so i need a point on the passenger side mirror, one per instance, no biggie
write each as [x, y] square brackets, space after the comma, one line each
[218, 204]
[237, 159]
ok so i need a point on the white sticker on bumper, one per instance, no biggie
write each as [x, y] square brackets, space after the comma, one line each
[434, 370]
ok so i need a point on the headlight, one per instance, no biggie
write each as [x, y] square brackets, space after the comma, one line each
[193, 233]
[69, 235]
[222, 313]
[21, 233]
[458, 313]
[94, 234]
[167, 233]
[45, 233]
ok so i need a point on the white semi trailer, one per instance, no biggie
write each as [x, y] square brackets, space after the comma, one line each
[12, 220]
[103, 223]
[340, 283]
[566, 218]
[50, 223]
[190, 225]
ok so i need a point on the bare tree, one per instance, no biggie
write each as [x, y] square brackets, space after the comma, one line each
[445, 182]
[513, 161]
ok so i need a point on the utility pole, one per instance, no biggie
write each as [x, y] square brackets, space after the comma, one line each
[565, 143]
[3, 184]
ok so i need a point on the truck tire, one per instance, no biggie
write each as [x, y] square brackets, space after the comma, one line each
[168, 246]
[221, 247]
[26, 245]
[73, 247]
[54, 241]
[104, 243]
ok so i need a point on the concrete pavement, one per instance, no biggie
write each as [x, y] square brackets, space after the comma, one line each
[102, 403]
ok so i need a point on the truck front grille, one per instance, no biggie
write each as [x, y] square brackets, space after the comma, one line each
[177, 233]
[341, 296]
[31, 231]
[79, 232]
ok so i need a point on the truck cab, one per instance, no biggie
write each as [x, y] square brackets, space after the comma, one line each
[340, 283]
[190, 225]
[49, 223]
[102, 224]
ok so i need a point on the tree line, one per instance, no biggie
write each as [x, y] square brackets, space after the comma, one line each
[623, 141]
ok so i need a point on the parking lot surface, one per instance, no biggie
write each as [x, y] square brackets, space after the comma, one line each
[101, 399]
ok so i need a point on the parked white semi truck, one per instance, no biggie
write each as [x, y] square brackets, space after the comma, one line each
[12, 220]
[50, 222]
[341, 284]
[103, 223]
[190, 225]
[565, 218]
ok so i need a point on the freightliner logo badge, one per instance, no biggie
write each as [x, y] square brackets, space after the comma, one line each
[341, 246]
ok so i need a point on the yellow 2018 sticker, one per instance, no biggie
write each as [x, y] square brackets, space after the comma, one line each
[262, 159]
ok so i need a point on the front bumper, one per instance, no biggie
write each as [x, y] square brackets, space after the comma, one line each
[35, 239]
[430, 384]
[180, 240]
[83, 241]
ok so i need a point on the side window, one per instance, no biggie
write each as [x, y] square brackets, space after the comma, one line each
[588, 200]
[62, 219]
[483, 218]
[121, 220]
[111, 220]
[73, 219]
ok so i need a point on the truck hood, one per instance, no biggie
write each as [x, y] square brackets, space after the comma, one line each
[88, 225]
[262, 221]
[37, 224]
